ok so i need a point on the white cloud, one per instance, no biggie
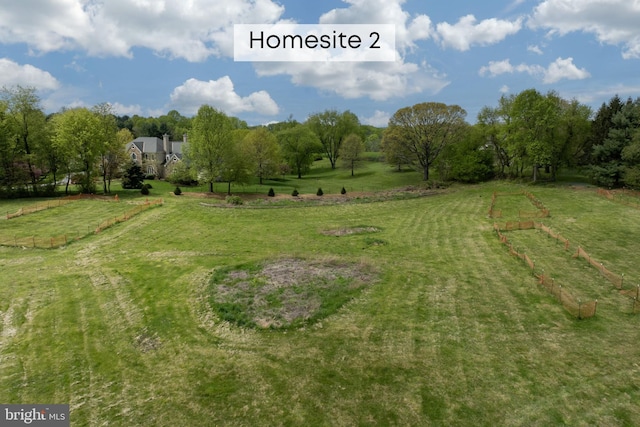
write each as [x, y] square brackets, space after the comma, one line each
[495, 68]
[505, 89]
[192, 30]
[126, 110]
[221, 94]
[466, 32]
[613, 22]
[558, 70]
[564, 69]
[535, 49]
[383, 12]
[377, 81]
[13, 74]
[379, 119]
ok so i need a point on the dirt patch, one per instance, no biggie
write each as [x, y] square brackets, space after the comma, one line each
[287, 292]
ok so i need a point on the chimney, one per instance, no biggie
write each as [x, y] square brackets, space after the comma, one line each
[184, 138]
[166, 144]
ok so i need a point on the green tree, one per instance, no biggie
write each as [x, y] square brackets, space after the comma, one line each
[468, 159]
[109, 144]
[50, 158]
[493, 125]
[27, 125]
[77, 132]
[600, 126]
[263, 153]
[133, 177]
[395, 150]
[332, 128]
[574, 132]
[210, 144]
[535, 121]
[351, 151]
[175, 124]
[609, 166]
[423, 131]
[298, 145]
[10, 154]
[631, 158]
[116, 156]
[280, 126]
[235, 167]
[182, 174]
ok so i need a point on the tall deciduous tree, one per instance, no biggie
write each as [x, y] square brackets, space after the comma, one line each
[210, 144]
[468, 159]
[298, 145]
[574, 131]
[27, 126]
[117, 157]
[10, 153]
[263, 153]
[351, 151]
[395, 150]
[535, 120]
[77, 132]
[425, 129]
[332, 128]
[493, 124]
[110, 146]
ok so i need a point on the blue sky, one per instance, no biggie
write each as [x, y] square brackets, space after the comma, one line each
[147, 57]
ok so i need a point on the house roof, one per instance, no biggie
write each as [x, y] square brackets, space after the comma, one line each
[151, 144]
[176, 147]
[136, 143]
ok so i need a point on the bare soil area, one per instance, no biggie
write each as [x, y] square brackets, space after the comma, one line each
[286, 292]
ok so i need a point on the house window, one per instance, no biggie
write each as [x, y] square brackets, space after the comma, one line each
[150, 170]
[134, 157]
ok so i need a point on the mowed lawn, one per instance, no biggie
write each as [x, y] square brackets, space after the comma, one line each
[454, 332]
[75, 219]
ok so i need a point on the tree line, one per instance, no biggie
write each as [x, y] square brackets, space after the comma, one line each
[39, 152]
[529, 135]
[218, 151]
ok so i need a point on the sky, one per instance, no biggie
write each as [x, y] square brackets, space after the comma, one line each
[148, 57]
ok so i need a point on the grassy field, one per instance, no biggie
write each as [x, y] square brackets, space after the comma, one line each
[453, 331]
[370, 175]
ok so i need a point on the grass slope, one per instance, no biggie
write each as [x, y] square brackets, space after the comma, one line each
[456, 332]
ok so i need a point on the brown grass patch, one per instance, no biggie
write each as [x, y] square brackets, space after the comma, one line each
[287, 292]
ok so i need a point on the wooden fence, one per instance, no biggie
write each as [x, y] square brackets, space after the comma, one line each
[574, 306]
[37, 207]
[541, 212]
[616, 280]
[57, 241]
[622, 196]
